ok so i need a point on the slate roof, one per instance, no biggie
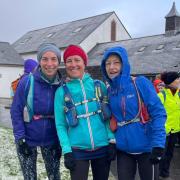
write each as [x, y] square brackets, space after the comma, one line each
[8, 55]
[144, 56]
[62, 35]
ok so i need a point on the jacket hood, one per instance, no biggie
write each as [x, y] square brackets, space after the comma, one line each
[124, 75]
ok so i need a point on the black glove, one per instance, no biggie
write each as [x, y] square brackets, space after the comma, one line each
[156, 155]
[69, 161]
[56, 149]
[23, 147]
[111, 152]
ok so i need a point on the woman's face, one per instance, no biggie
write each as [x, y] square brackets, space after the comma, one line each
[75, 66]
[113, 66]
[49, 64]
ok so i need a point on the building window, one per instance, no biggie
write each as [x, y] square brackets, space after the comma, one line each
[141, 49]
[113, 31]
[25, 40]
[160, 47]
[50, 34]
[77, 29]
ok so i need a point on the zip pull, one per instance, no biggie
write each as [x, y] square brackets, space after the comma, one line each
[123, 105]
[98, 93]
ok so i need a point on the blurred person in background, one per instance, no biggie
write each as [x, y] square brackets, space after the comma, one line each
[170, 97]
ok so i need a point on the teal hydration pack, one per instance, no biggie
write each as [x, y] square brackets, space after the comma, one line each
[28, 109]
[70, 106]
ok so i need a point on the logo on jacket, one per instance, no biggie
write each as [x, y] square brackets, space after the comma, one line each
[130, 96]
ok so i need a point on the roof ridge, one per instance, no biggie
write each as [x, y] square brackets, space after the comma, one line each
[131, 39]
[4, 42]
[72, 21]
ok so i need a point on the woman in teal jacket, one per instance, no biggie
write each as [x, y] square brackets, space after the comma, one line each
[83, 132]
[138, 141]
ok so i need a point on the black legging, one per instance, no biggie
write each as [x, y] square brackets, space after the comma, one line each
[100, 169]
[127, 165]
[51, 156]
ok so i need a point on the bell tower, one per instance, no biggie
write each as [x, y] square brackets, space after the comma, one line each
[172, 21]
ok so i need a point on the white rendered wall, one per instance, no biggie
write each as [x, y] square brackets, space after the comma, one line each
[29, 56]
[8, 74]
[103, 33]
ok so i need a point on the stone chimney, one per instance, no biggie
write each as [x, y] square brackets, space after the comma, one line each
[172, 22]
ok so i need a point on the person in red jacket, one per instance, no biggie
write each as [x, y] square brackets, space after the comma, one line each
[158, 85]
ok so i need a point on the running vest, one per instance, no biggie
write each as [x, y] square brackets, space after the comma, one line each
[141, 116]
[29, 93]
[29, 109]
[103, 108]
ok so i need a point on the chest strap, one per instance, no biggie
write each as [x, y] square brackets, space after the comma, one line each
[123, 123]
[85, 101]
[89, 114]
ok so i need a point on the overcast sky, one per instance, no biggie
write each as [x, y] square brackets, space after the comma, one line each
[140, 17]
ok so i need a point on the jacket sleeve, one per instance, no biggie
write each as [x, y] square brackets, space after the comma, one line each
[61, 124]
[109, 132]
[155, 109]
[17, 109]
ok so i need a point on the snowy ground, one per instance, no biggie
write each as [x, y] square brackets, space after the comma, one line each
[9, 165]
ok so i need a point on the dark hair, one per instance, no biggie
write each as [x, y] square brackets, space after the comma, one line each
[169, 77]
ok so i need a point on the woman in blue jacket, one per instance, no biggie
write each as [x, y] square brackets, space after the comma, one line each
[36, 92]
[137, 141]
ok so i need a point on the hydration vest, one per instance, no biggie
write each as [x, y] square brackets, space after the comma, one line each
[29, 94]
[142, 115]
[103, 108]
[29, 109]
